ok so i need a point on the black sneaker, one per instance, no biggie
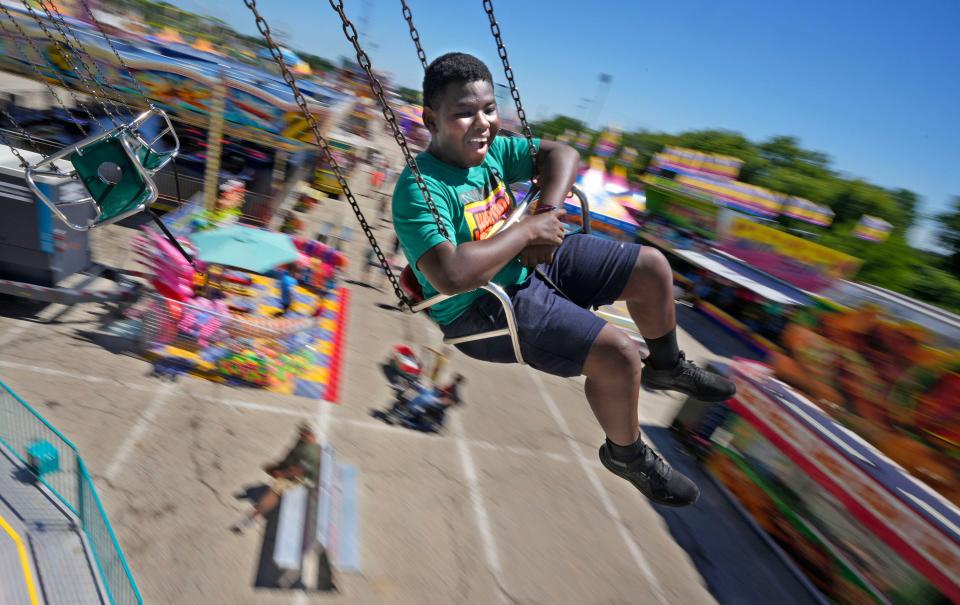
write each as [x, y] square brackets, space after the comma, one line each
[688, 378]
[653, 477]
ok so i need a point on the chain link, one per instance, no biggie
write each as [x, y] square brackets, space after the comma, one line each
[85, 58]
[56, 70]
[67, 49]
[414, 34]
[42, 77]
[16, 152]
[288, 77]
[26, 135]
[377, 88]
[116, 53]
[23, 134]
[508, 72]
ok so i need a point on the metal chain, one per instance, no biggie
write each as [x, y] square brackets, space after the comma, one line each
[23, 133]
[377, 88]
[414, 34]
[43, 78]
[324, 147]
[86, 59]
[508, 72]
[67, 51]
[16, 152]
[116, 53]
[55, 69]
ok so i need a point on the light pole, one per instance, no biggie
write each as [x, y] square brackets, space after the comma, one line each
[603, 86]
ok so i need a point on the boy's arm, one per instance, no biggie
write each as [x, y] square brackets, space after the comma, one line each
[556, 172]
[455, 269]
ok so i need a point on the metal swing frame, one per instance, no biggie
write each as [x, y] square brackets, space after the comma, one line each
[412, 289]
[414, 292]
[132, 143]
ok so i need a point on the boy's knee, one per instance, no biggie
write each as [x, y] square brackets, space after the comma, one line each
[652, 263]
[613, 352]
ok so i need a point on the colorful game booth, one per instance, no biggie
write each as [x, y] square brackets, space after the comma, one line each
[225, 321]
[844, 447]
[738, 266]
[841, 443]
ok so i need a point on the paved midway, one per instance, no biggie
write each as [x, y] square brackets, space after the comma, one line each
[509, 505]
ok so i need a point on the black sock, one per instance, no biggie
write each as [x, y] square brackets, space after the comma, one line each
[664, 351]
[626, 453]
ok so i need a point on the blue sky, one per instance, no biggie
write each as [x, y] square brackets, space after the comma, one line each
[875, 85]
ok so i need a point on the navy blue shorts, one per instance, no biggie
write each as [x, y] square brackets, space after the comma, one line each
[556, 330]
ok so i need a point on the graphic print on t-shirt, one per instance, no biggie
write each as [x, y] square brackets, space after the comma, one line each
[484, 210]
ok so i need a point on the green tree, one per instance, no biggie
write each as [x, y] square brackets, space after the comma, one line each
[556, 126]
[786, 152]
[858, 197]
[317, 63]
[907, 201]
[937, 287]
[949, 236]
[410, 95]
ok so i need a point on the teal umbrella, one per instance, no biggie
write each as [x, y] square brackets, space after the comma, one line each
[245, 248]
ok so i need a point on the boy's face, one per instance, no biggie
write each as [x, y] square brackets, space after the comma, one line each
[463, 123]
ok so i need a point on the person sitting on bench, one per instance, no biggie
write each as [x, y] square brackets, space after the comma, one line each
[299, 466]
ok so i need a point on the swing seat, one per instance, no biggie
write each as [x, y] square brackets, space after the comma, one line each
[411, 286]
[152, 158]
[152, 161]
[115, 168]
[131, 191]
[414, 291]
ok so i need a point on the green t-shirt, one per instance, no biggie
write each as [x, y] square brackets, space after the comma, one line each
[473, 205]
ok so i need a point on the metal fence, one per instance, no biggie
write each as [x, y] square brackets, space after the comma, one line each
[208, 339]
[23, 430]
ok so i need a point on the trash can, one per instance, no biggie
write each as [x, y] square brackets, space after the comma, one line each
[43, 458]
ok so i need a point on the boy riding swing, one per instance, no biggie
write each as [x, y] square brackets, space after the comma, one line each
[467, 170]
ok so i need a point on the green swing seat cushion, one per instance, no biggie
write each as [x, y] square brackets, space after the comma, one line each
[152, 160]
[130, 193]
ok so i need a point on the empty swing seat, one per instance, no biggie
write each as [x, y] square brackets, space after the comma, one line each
[128, 190]
[414, 292]
[151, 160]
[115, 167]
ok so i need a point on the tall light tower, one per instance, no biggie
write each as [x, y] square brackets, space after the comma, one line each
[582, 108]
[364, 23]
[600, 97]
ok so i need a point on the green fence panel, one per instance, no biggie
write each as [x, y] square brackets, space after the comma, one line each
[22, 430]
[113, 566]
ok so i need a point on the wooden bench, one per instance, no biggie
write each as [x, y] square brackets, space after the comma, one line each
[314, 520]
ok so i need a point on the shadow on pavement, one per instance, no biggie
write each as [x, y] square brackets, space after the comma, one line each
[267, 575]
[362, 284]
[14, 307]
[737, 564]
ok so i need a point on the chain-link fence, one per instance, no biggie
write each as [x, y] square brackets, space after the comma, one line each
[45, 451]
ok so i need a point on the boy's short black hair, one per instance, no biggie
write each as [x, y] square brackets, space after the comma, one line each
[449, 68]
